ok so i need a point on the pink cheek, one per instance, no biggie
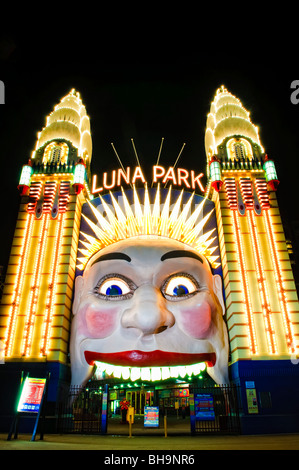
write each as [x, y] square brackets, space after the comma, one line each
[97, 323]
[197, 320]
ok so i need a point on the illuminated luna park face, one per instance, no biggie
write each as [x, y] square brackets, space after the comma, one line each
[148, 304]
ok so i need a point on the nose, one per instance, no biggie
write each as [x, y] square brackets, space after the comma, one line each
[148, 313]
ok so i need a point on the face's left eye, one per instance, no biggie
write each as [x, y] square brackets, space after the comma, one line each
[179, 286]
[114, 288]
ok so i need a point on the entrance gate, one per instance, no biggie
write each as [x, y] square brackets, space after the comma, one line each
[81, 412]
[213, 410]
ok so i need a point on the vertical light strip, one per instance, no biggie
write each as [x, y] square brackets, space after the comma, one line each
[34, 289]
[243, 273]
[280, 285]
[18, 286]
[44, 349]
[270, 333]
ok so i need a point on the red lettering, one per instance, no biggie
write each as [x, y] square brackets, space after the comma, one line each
[138, 175]
[94, 188]
[184, 178]
[196, 180]
[126, 176]
[159, 171]
[170, 175]
[106, 186]
[178, 177]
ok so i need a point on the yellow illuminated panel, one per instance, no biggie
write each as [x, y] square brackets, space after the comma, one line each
[35, 319]
[52, 287]
[18, 286]
[280, 284]
[262, 285]
[245, 283]
[268, 309]
[35, 287]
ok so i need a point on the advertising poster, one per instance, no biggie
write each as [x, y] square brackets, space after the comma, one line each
[252, 401]
[151, 416]
[32, 395]
[204, 407]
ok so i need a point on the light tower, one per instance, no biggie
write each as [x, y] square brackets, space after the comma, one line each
[262, 311]
[37, 297]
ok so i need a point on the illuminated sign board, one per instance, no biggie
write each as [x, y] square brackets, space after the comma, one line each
[151, 416]
[32, 395]
[174, 176]
[204, 407]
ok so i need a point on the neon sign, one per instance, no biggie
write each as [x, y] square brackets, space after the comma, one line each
[176, 176]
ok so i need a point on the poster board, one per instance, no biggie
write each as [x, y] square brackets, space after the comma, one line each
[151, 416]
[32, 395]
[251, 398]
[252, 401]
[204, 407]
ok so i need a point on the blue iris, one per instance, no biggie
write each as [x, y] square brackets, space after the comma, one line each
[114, 290]
[180, 290]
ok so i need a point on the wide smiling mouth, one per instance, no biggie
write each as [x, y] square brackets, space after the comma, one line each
[150, 365]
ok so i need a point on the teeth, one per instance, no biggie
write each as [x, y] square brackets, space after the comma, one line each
[145, 373]
[165, 373]
[156, 373]
[149, 373]
[135, 373]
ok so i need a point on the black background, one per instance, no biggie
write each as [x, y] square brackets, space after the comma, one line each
[146, 75]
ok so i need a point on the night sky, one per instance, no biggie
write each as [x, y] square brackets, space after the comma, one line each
[137, 93]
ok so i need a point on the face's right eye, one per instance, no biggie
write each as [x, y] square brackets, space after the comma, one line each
[115, 288]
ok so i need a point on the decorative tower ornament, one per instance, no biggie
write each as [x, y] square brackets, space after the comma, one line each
[215, 173]
[79, 176]
[271, 175]
[25, 178]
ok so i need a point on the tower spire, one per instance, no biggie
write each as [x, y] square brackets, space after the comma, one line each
[68, 122]
[228, 117]
[242, 183]
[53, 186]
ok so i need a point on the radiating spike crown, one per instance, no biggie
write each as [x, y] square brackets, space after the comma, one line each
[155, 219]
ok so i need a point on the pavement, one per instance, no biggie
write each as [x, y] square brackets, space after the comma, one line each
[152, 443]
[148, 440]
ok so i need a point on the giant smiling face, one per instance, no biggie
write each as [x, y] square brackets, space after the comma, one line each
[148, 302]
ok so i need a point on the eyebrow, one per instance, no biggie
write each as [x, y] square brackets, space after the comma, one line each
[111, 256]
[181, 254]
